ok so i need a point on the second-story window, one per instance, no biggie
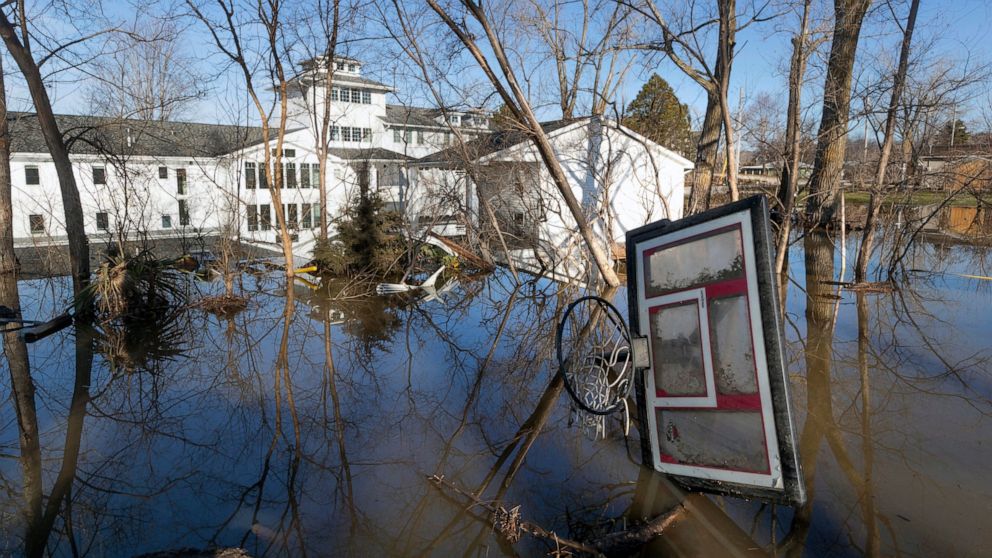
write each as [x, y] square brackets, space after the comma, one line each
[420, 137]
[290, 171]
[397, 137]
[31, 176]
[304, 175]
[181, 187]
[99, 175]
[250, 177]
[102, 221]
[163, 172]
[366, 97]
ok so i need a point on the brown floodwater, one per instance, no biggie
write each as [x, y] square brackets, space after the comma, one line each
[309, 423]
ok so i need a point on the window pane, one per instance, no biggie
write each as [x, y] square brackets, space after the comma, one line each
[99, 175]
[181, 187]
[167, 221]
[163, 172]
[396, 136]
[306, 216]
[292, 216]
[31, 176]
[315, 175]
[252, 217]
[37, 223]
[263, 179]
[250, 176]
[183, 213]
[290, 170]
[367, 97]
[304, 175]
[102, 221]
[265, 216]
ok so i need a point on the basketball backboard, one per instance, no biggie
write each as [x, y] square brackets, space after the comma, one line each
[714, 399]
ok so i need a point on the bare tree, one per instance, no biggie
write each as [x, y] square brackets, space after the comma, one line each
[145, 75]
[16, 35]
[684, 48]
[828, 165]
[891, 117]
[229, 31]
[509, 89]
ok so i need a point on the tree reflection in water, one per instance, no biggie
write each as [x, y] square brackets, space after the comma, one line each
[308, 424]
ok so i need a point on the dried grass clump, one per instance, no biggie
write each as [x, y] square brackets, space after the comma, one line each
[222, 305]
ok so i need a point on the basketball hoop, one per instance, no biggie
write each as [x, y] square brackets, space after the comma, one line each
[594, 356]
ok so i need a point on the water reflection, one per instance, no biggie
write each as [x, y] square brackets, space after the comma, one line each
[312, 420]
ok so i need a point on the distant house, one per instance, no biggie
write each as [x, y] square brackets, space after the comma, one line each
[621, 179]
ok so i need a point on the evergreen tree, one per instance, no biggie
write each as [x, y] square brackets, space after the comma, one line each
[657, 114]
[961, 134]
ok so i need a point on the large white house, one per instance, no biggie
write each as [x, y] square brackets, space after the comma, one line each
[177, 179]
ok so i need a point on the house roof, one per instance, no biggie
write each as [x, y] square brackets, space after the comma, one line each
[341, 79]
[100, 135]
[368, 154]
[411, 116]
[490, 143]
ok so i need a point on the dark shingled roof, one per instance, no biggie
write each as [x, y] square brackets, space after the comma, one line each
[368, 154]
[100, 135]
[412, 116]
[490, 143]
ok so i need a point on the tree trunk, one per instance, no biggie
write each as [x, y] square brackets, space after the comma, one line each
[725, 60]
[828, 165]
[899, 83]
[707, 150]
[789, 183]
[79, 251]
[14, 347]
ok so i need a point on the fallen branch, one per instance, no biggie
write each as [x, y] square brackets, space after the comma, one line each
[508, 523]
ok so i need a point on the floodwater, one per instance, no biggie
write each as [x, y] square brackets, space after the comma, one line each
[309, 424]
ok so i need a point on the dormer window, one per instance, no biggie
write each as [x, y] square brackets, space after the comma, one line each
[455, 119]
[352, 68]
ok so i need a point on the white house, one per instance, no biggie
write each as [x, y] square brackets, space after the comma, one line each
[621, 179]
[177, 179]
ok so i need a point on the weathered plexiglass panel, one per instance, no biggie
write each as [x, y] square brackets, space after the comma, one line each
[733, 349]
[704, 260]
[677, 346]
[732, 440]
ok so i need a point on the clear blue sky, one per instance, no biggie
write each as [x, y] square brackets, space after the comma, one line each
[958, 29]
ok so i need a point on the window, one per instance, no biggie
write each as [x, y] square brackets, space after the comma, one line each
[102, 221]
[183, 213]
[316, 215]
[263, 179]
[99, 175]
[315, 175]
[306, 216]
[366, 134]
[335, 133]
[455, 119]
[407, 135]
[37, 223]
[352, 67]
[334, 93]
[447, 138]
[289, 169]
[252, 217]
[181, 188]
[367, 97]
[31, 176]
[286, 153]
[304, 175]
[292, 217]
[420, 137]
[345, 133]
[250, 176]
[163, 172]
[397, 138]
[265, 217]
[167, 221]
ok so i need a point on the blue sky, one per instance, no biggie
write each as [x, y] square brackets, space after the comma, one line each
[955, 29]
